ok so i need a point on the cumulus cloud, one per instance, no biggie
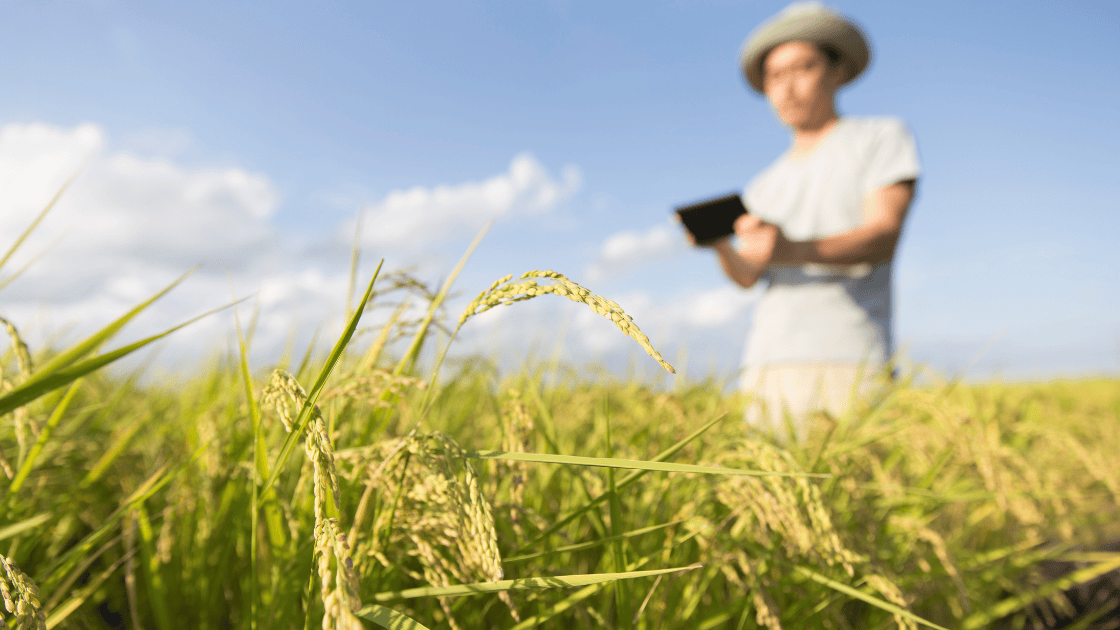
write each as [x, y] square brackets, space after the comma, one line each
[420, 216]
[127, 226]
[629, 249]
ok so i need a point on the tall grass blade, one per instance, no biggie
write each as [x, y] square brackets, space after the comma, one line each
[27, 524]
[38, 219]
[409, 359]
[860, 595]
[522, 584]
[95, 340]
[634, 464]
[300, 423]
[1006, 607]
[630, 478]
[59, 614]
[54, 376]
[389, 618]
[37, 448]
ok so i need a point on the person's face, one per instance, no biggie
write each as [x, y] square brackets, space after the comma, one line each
[800, 83]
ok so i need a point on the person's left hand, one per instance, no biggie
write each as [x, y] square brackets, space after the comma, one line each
[757, 239]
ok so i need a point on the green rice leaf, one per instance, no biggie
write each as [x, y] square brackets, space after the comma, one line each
[635, 464]
[37, 448]
[59, 614]
[1006, 607]
[870, 599]
[304, 416]
[34, 224]
[591, 544]
[55, 375]
[91, 343]
[389, 618]
[16, 529]
[522, 584]
[630, 478]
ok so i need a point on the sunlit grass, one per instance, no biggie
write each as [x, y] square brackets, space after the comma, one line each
[483, 501]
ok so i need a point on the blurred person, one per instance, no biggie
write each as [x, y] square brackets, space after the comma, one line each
[822, 226]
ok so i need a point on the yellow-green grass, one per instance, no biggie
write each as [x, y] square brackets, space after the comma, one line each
[482, 501]
[151, 505]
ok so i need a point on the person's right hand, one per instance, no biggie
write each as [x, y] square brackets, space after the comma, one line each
[757, 239]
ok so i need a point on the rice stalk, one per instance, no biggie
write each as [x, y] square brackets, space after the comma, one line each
[338, 588]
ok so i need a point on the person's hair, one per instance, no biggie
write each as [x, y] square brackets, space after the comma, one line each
[830, 53]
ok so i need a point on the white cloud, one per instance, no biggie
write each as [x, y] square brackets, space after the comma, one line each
[629, 249]
[129, 226]
[419, 216]
[126, 227]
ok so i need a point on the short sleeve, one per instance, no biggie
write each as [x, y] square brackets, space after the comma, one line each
[893, 155]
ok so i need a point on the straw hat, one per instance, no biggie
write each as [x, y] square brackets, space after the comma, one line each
[810, 22]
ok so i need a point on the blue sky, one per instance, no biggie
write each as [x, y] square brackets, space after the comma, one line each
[248, 135]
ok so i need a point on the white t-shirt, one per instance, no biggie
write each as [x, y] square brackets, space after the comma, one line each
[825, 313]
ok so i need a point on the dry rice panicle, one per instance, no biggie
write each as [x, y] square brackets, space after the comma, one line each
[512, 292]
[339, 587]
[21, 598]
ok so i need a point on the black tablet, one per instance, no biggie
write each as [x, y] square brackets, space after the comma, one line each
[712, 219]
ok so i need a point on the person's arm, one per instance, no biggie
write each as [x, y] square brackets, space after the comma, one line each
[757, 242]
[873, 242]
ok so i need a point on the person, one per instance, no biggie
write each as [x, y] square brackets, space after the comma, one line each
[822, 227]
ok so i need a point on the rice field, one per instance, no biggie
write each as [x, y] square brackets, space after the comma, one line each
[353, 489]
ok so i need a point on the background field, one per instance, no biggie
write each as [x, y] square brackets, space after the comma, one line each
[187, 506]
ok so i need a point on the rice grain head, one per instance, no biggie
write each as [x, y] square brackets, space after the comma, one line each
[21, 598]
[498, 295]
[442, 519]
[339, 587]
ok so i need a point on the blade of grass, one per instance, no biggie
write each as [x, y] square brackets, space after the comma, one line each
[635, 464]
[623, 612]
[1006, 607]
[860, 595]
[43, 381]
[521, 584]
[409, 359]
[16, 529]
[59, 614]
[591, 544]
[37, 448]
[38, 219]
[389, 618]
[313, 395]
[630, 478]
[98, 338]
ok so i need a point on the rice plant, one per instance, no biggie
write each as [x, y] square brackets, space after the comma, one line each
[486, 501]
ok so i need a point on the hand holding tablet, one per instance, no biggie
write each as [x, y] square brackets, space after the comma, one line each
[710, 220]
